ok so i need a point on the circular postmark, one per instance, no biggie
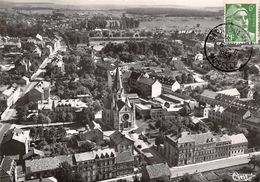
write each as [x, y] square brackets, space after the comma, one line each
[225, 51]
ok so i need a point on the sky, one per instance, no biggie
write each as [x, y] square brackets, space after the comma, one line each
[190, 3]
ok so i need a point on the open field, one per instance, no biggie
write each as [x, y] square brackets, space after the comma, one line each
[175, 12]
[181, 23]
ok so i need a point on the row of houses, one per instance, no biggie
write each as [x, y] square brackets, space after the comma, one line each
[8, 96]
[91, 164]
[234, 116]
[117, 159]
[66, 105]
[231, 110]
[153, 85]
[195, 148]
[94, 165]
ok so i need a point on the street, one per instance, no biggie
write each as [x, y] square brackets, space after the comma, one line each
[128, 178]
[11, 112]
[212, 165]
[36, 125]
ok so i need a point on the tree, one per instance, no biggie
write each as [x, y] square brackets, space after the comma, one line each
[40, 132]
[184, 78]
[165, 125]
[87, 146]
[190, 79]
[96, 106]
[185, 110]
[257, 177]
[69, 117]
[87, 65]
[78, 177]
[188, 178]
[52, 134]
[62, 116]
[255, 161]
[22, 112]
[253, 70]
[178, 79]
[43, 119]
[256, 96]
[42, 144]
[64, 173]
[33, 132]
[34, 118]
[61, 132]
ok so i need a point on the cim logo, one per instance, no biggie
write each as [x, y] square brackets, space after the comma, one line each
[242, 177]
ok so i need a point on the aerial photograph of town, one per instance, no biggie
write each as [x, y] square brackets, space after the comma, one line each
[129, 91]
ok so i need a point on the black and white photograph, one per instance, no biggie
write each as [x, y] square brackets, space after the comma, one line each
[129, 91]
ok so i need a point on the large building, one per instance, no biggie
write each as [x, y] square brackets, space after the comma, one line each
[15, 142]
[118, 112]
[216, 114]
[227, 99]
[41, 91]
[8, 95]
[104, 164]
[121, 142]
[196, 148]
[231, 92]
[168, 84]
[148, 87]
[233, 116]
[145, 85]
[45, 167]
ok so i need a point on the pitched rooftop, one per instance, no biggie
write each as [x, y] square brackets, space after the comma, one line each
[6, 166]
[197, 138]
[158, 170]
[45, 164]
[238, 138]
[117, 137]
[85, 156]
[230, 92]
[15, 134]
[122, 157]
[209, 94]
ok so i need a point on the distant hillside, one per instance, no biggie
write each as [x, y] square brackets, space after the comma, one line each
[174, 12]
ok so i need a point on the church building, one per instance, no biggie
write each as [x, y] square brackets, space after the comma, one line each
[118, 113]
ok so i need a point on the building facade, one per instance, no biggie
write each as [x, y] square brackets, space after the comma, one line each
[121, 143]
[196, 148]
[104, 164]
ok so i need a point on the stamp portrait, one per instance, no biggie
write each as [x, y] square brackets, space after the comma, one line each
[241, 14]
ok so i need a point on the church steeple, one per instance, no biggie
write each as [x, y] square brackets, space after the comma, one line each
[117, 87]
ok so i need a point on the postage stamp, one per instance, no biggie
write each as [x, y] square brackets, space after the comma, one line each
[241, 14]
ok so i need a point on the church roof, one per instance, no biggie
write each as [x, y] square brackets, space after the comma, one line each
[120, 104]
